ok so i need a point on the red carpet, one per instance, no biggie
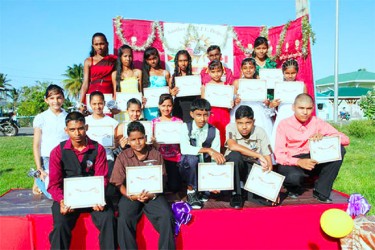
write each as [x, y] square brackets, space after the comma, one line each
[283, 227]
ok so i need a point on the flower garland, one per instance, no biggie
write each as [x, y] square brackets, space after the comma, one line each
[149, 41]
[264, 32]
[307, 33]
[281, 41]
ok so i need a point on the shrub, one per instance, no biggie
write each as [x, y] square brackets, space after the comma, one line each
[361, 128]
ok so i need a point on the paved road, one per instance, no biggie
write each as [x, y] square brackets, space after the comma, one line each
[23, 131]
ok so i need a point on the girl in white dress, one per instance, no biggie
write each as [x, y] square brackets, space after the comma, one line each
[262, 118]
[284, 110]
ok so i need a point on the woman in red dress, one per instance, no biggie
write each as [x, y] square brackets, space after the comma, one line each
[98, 69]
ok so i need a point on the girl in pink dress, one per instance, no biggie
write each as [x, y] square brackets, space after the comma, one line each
[98, 69]
[171, 152]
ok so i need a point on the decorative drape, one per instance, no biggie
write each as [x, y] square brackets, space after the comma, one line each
[291, 40]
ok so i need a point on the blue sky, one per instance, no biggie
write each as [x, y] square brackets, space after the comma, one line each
[40, 38]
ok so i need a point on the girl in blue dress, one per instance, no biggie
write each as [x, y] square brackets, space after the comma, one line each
[153, 76]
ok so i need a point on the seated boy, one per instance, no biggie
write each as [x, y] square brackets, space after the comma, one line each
[71, 159]
[293, 155]
[246, 144]
[200, 142]
[131, 207]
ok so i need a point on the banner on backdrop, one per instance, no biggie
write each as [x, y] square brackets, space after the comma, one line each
[196, 38]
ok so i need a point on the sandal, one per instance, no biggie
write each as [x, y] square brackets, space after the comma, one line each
[36, 190]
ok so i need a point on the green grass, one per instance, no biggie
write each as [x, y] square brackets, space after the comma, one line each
[357, 174]
[16, 159]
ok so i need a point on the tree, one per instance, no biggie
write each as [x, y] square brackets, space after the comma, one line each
[74, 80]
[14, 95]
[367, 104]
[32, 99]
[4, 81]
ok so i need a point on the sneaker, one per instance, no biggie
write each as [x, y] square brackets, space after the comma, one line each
[236, 201]
[293, 195]
[321, 198]
[204, 196]
[193, 201]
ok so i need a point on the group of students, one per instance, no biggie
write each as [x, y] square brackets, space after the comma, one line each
[207, 135]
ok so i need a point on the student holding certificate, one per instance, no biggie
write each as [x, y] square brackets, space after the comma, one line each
[78, 157]
[293, 155]
[131, 207]
[246, 144]
[170, 152]
[219, 117]
[200, 142]
[182, 67]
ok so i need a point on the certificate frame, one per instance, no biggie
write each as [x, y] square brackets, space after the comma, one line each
[288, 91]
[82, 192]
[107, 98]
[148, 129]
[265, 184]
[326, 150]
[219, 95]
[104, 135]
[188, 85]
[153, 94]
[252, 90]
[271, 76]
[123, 98]
[213, 176]
[140, 177]
[168, 132]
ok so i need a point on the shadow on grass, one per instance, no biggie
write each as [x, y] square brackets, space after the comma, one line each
[6, 171]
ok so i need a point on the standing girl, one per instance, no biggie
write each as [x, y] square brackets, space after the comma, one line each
[48, 133]
[284, 110]
[153, 76]
[182, 67]
[171, 152]
[248, 69]
[219, 117]
[98, 69]
[126, 78]
[260, 54]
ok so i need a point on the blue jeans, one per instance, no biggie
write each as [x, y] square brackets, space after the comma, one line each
[42, 185]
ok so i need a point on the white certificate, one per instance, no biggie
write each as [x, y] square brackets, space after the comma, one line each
[252, 90]
[107, 98]
[80, 192]
[148, 129]
[148, 178]
[153, 94]
[167, 132]
[288, 91]
[104, 135]
[271, 76]
[219, 95]
[188, 85]
[123, 98]
[212, 176]
[326, 150]
[264, 184]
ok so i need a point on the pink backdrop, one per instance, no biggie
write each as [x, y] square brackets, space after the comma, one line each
[291, 47]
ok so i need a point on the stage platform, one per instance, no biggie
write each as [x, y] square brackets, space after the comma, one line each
[26, 221]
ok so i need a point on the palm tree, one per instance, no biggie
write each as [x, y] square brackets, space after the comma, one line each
[74, 79]
[14, 95]
[4, 81]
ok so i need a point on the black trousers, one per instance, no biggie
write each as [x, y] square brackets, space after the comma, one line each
[241, 169]
[327, 173]
[157, 211]
[181, 107]
[61, 235]
[174, 177]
